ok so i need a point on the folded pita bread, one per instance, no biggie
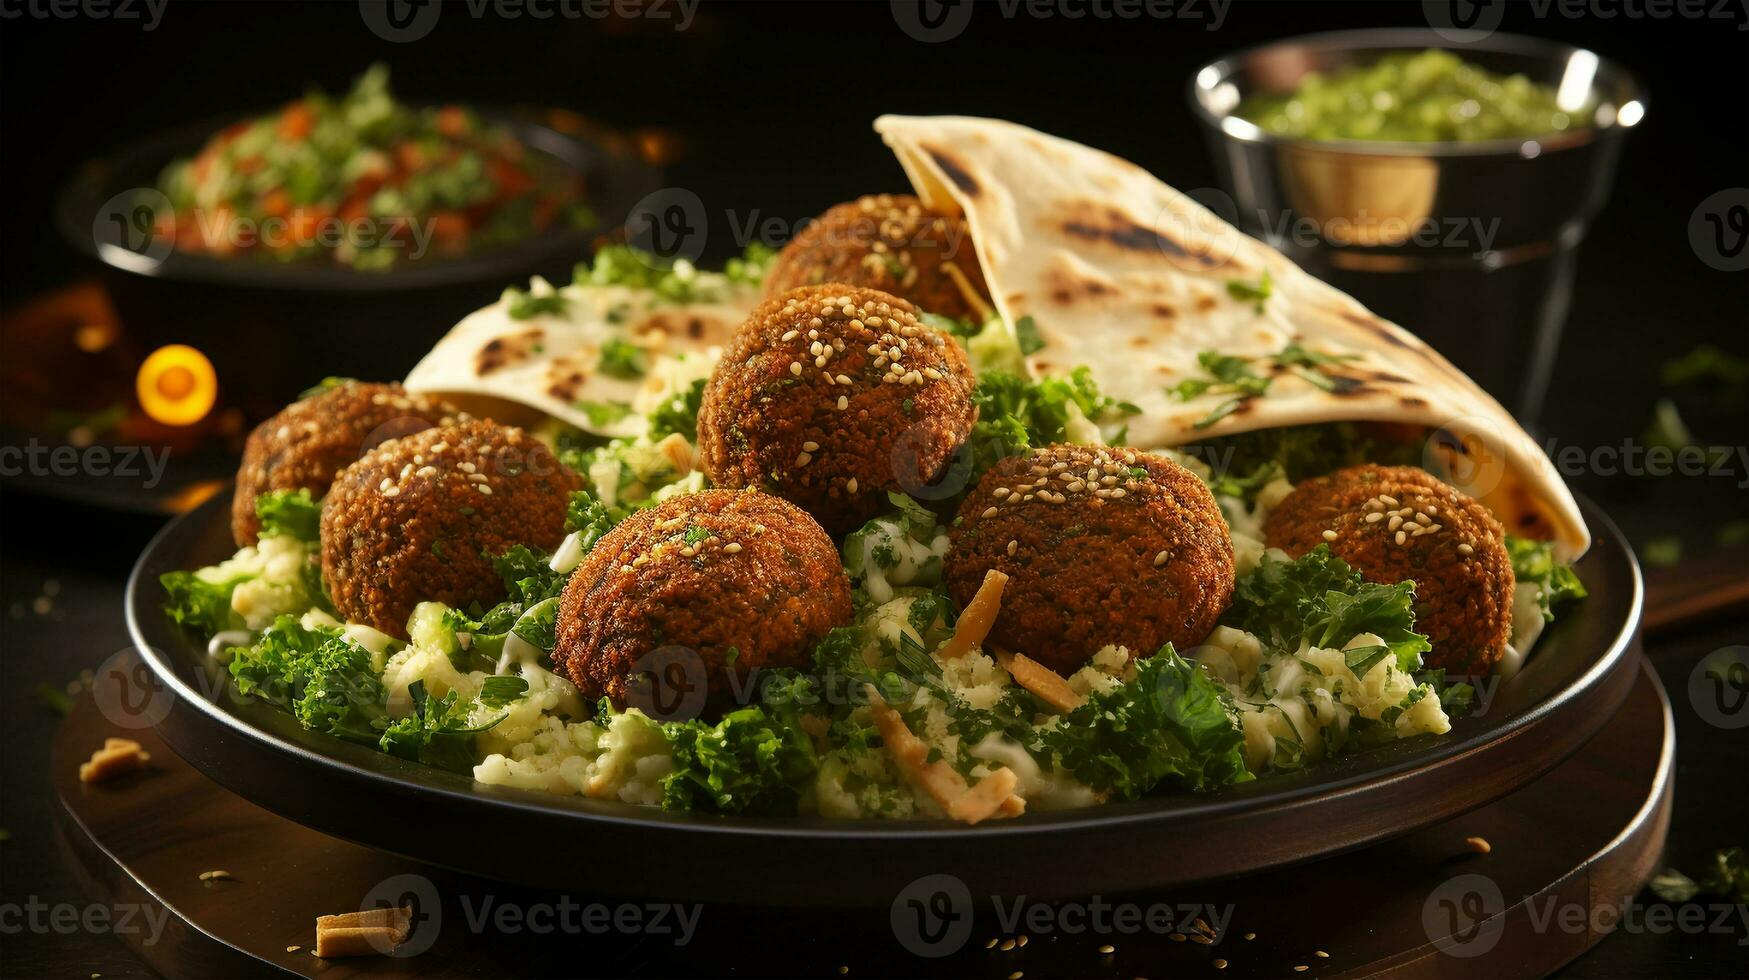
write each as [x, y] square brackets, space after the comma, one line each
[1129, 277]
[519, 370]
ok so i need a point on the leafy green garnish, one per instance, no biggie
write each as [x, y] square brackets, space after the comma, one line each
[605, 413]
[290, 512]
[679, 414]
[1026, 331]
[1705, 363]
[1535, 562]
[1297, 452]
[199, 605]
[55, 699]
[1727, 877]
[524, 306]
[1171, 725]
[1305, 363]
[1321, 600]
[326, 384]
[623, 359]
[1015, 415]
[1258, 292]
[751, 762]
[585, 513]
[437, 731]
[327, 681]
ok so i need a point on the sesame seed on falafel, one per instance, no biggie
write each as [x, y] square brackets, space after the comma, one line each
[829, 396]
[890, 242]
[744, 580]
[1401, 522]
[1101, 545]
[418, 518]
[314, 438]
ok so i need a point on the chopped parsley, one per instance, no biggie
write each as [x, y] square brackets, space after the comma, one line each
[679, 414]
[290, 512]
[1535, 561]
[1256, 292]
[524, 306]
[605, 413]
[1026, 331]
[623, 359]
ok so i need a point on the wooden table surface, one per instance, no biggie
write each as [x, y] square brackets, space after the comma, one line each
[1583, 838]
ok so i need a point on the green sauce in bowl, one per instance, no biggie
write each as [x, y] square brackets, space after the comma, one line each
[1414, 97]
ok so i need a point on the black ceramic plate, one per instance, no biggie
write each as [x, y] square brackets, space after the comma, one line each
[1580, 673]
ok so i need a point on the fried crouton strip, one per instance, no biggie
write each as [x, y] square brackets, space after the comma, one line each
[372, 932]
[977, 618]
[1049, 685]
[117, 757]
[992, 796]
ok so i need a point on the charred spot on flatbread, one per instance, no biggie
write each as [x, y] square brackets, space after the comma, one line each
[955, 171]
[1065, 285]
[1378, 327]
[693, 326]
[502, 352]
[565, 379]
[1409, 401]
[1095, 223]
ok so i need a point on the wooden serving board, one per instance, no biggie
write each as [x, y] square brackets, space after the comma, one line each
[1584, 837]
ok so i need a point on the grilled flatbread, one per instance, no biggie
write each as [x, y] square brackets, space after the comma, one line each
[551, 363]
[1133, 279]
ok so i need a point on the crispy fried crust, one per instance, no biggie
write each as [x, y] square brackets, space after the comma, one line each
[414, 519]
[311, 440]
[1101, 545]
[771, 415]
[710, 572]
[1463, 598]
[889, 242]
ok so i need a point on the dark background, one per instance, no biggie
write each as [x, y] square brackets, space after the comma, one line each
[775, 103]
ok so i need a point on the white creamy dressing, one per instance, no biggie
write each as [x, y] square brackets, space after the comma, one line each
[909, 557]
[569, 554]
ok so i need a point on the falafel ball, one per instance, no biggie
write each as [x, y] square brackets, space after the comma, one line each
[743, 579]
[890, 242]
[1401, 522]
[311, 440]
[1101, 545]
[830, 396]
[415, 519]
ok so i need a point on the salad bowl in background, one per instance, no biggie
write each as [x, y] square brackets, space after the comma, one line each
[1472, 243]
[271, 329]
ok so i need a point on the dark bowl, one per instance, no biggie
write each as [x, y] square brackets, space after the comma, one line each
[272, 330]
[1581, 672]
[1471, 245]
